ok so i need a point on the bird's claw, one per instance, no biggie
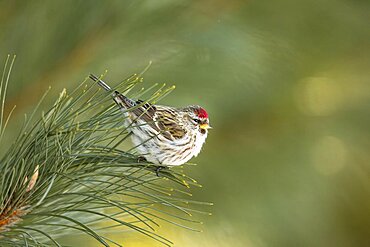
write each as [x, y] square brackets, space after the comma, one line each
[158, 169]
[141, 159]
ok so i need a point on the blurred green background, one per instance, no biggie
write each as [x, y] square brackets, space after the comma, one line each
[286, 84]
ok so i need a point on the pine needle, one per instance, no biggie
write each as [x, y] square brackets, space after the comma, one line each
[67, 173]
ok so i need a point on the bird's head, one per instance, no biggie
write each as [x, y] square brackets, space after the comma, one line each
[198, 117]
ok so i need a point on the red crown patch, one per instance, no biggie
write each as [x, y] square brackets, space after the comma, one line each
[202, 113]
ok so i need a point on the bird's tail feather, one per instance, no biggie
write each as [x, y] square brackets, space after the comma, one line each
[100, 82]
[121, 100]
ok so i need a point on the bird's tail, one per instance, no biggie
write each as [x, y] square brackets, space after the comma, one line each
[122, 101]
[100, 82]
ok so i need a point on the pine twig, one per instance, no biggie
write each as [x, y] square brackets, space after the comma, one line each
[65, 173]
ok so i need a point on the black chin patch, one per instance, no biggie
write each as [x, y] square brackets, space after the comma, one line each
[203, 131]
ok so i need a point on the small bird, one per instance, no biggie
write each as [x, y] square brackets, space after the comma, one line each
[163, 135]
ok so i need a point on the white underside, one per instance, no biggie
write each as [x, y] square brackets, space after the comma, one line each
[159, 150]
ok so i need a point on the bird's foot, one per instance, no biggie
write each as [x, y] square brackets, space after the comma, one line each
[141, 159]
[159, 168]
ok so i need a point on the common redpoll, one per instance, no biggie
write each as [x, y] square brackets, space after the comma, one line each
[163, 135]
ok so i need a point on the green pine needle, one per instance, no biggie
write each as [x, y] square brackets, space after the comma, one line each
[67, 173]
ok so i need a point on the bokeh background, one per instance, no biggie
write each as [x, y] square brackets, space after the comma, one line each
[286, 84]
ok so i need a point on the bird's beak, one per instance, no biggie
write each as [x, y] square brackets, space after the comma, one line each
[205, 126]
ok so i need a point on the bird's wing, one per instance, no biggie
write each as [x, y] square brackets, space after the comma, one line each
[169, 122]
[138, 108]
[161, 118]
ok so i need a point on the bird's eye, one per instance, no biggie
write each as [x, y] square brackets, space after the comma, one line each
[196, 120]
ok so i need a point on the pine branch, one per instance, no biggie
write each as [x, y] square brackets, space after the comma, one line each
[67, 173]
